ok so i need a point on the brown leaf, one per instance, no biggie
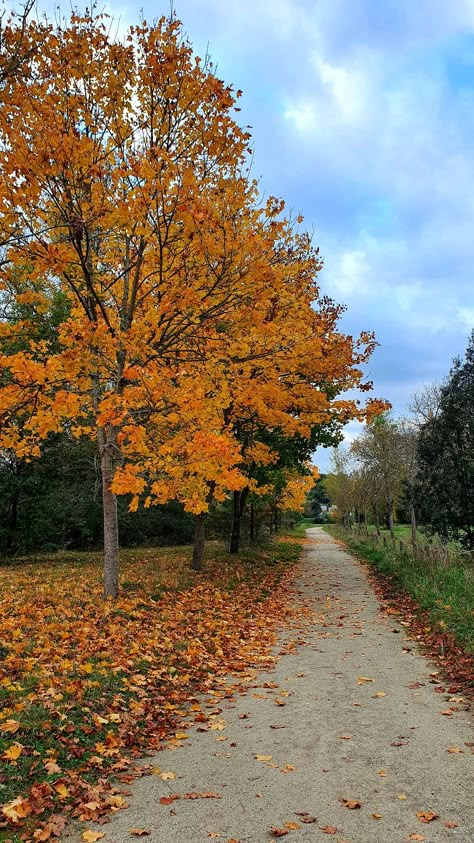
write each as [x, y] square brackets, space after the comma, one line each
[140, 832]
[279, 702]
[451, 824]
[377, 816]
[278, 726]
[288, 768]
[305, 817]
[167, 800]
[352, 804]
[278, 832]
[417, 837]
[329, 829]
[455, 750]
[206, 795]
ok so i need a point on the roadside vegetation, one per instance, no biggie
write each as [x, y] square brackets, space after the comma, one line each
[444, 586]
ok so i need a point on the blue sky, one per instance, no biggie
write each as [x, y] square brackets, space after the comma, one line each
[362, 118]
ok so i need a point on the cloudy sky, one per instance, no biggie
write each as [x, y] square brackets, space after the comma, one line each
[362, 115]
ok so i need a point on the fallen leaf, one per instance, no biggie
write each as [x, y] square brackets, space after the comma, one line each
[181, 736]
[10, 726]
[345, 737]
[455, 750]
[167, 800]
[140, 832]
[379, 694]
[278, 726]
[417, 837]
[17, 809]
[427, 816]
[292, 826]
[288, 768]
[329, 829]
[13, 752]
[214, 834]
[263, 757]
[91, 836]
[279, 702]
[451, 824]
[305, 817]
[361, 680]
[166, 776]
[352, 804]
[402, 796]
[278, 832]
[377, 816]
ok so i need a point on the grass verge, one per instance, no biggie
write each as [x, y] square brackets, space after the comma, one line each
[444, 590]
[86, 685]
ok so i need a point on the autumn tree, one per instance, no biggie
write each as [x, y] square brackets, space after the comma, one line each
[116, 156]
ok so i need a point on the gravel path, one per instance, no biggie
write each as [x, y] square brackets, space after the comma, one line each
[359, 719]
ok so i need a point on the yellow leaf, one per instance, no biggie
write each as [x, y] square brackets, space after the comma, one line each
[263, 757]
[91, 836]
[181, 736]
[13, 752]
[361, 680]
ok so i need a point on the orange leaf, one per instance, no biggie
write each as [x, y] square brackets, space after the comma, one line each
[140, 832]
[427, 816]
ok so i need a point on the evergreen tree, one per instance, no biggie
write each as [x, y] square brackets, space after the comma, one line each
[445, 482]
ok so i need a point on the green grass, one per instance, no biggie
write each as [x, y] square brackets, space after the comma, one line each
[445, 590]
[299, 530]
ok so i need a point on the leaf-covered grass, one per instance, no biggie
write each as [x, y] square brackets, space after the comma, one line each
[87, 685]
[445, 590]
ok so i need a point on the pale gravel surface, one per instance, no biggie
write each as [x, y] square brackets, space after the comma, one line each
[401, 733]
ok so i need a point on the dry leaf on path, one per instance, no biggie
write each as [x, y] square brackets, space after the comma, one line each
[352, 804]
[417, 837]
[279, 832]
[427, 816]
[305, 817]
[167, 800]
[140, 832]
[279, 702]
[329, 829]
[451, 824]
[263, 757]
[361, 680]
[91, 836]
[208, 794]
[377, 816]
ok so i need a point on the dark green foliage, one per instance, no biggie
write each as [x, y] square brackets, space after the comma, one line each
[55, 502]
[445, 481]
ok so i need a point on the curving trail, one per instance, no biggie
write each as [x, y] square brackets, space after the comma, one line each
[382, 743]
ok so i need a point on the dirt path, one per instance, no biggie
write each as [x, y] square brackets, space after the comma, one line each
[383, 743]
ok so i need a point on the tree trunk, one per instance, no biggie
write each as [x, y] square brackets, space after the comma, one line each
[390, 521]
[253, 535]
[234, 545]
[413, 524]
[377, 523]
[12, 519]
[239, 501]
[199, 541]
[111, 538]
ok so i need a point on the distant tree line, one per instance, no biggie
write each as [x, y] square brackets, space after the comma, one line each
[420, 468]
